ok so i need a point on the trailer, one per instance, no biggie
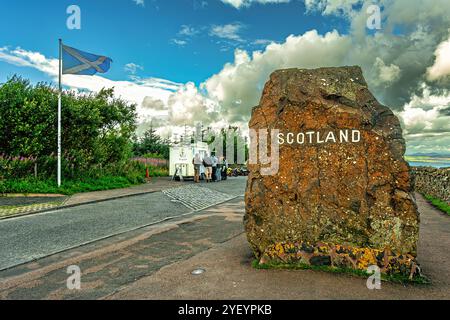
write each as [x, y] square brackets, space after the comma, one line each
[181, 156]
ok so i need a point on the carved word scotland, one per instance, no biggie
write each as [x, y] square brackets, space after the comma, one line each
[320, 137]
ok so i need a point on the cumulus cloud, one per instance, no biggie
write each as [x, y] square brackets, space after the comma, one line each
[386, 74]
[154, 104]
[394, 64]
[238, 86]
[188, 106]
[424, 115]
[246, 3]
[441, 66]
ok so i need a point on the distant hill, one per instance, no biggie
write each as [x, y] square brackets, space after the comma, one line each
[431, 155]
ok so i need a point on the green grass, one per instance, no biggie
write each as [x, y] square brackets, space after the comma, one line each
[359, 273]
[70, 187]
[438, 203]
[116, 178]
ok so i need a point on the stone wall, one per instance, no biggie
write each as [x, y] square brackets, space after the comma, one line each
[433, 182]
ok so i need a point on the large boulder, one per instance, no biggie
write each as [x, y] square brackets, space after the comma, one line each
[343, 194]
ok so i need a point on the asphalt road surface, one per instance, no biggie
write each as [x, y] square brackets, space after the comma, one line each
[28, 238]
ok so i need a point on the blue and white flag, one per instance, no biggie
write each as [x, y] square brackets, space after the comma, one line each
[83, 63]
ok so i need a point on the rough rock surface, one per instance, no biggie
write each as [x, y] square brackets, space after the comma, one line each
[358, 195]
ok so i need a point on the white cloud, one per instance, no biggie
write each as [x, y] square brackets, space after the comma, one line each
[386, 74]
[441, 66]
[188, 31]
[178, 42]
[238, 86]
[426, 126]
[228, 31]
[36, 60]
[139, 2]
[246, 3]
[133, 68]
[262, 42]
[188, 106]
[329, 7]
[185, 34]
[133, 91]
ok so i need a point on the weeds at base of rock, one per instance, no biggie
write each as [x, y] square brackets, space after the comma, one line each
[400, 279]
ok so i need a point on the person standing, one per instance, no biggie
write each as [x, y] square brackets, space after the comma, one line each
[214, 161]
[207, 163]
[219, 169]
[224, 169]
[197, 161]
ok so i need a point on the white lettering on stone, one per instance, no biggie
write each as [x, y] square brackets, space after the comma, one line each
[290, 138]
[356, 136]
[343, 136]
[330, 137]
[320, 137]
[310, 135]
[302, 140]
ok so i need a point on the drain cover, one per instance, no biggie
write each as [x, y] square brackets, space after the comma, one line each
[198, 272]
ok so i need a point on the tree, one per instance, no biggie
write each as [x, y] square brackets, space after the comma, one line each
[97, 128]
[151, 142]
[240, 151]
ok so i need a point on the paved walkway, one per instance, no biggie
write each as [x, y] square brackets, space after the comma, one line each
[156, 262]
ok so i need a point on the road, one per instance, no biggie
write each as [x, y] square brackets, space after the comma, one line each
[28, 238]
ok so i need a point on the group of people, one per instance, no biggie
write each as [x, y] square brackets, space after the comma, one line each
[213, 168]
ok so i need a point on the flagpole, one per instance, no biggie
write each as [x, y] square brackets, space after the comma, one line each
[59, 113]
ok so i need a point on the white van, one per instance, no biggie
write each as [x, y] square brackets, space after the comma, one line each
[181, 157]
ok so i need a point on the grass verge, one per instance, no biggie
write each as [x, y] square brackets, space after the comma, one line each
[438, 203]
[359, 273]
[68, 187]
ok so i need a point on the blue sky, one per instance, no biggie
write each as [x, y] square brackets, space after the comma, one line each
[146, 35]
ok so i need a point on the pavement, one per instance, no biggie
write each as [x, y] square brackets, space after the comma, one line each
[155, 260]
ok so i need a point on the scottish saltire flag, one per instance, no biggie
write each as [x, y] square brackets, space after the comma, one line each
[82, 63]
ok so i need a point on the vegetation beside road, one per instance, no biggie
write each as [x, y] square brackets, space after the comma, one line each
[98, 140]
[72, 186]
[439, 204]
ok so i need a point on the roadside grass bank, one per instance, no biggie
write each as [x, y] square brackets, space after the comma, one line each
[73, 186]
[438, 203]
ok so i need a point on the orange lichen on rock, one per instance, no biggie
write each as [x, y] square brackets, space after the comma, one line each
[339, 256]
